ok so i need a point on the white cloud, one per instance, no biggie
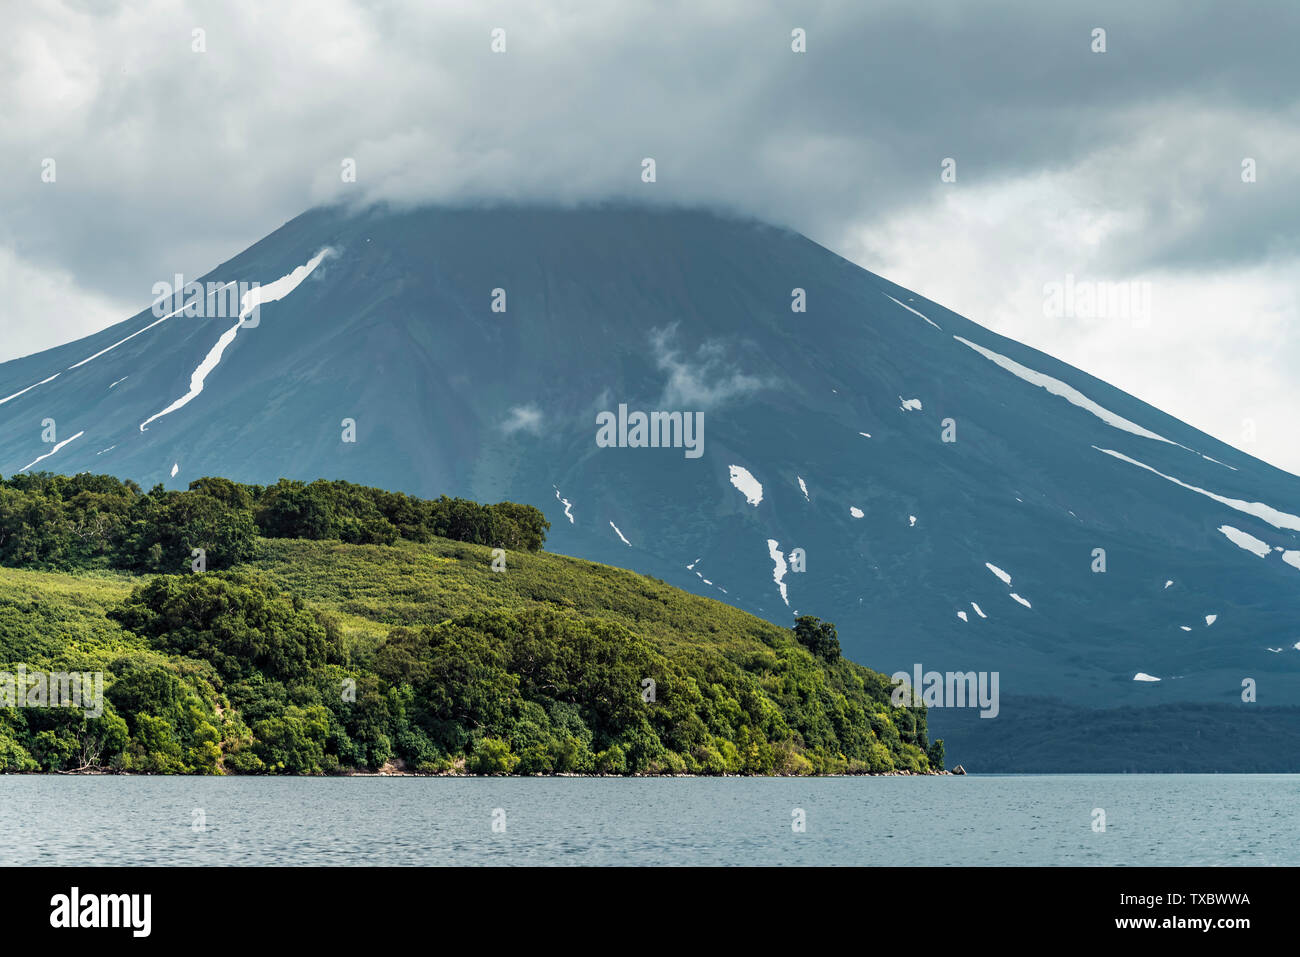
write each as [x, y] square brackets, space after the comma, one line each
[1221, 343]
[44, 307]
[523, 418]
[700, 382]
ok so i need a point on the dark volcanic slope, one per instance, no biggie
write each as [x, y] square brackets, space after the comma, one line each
[670, 310]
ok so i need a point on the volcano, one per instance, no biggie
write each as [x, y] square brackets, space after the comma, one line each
[734, 409]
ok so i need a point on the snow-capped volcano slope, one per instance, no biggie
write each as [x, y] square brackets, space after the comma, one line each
[822, 431]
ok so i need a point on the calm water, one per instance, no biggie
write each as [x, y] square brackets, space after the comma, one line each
[1150, 819]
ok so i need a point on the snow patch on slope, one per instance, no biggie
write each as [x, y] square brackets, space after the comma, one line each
[1273, 516]
[119, 342]
[620, 535]
[29, 388]
[1245, 540]
[568, 506]
[1066, 392]
[251, 300]
[778, 567]
[913, 311]
[52, 451]
[1217, 462]
[1006, 579]
[272, 292]
[747, 485]
[198, 377]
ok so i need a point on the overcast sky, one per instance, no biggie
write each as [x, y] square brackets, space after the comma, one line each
[1123, 166]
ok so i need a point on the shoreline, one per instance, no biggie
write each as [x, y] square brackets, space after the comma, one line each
[104, 772]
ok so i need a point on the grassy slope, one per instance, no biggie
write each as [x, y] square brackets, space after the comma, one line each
[52, 619]
[376, 586]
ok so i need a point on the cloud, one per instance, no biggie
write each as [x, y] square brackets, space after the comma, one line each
[700, 382]
[1218, 347]
[172, 160]
[46, 307]
[1120, 164]
[523, 418]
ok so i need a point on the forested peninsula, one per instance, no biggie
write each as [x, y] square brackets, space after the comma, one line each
[330, 628]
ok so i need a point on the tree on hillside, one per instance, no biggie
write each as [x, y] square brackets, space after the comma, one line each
[935, 754]
[817, 636]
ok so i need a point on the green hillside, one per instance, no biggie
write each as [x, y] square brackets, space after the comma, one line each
[399, 648]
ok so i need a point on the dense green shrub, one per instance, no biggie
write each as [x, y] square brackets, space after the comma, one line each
[817, 636]
[238, 623]
[61, 522]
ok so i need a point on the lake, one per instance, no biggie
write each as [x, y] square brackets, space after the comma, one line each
[972, 820]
